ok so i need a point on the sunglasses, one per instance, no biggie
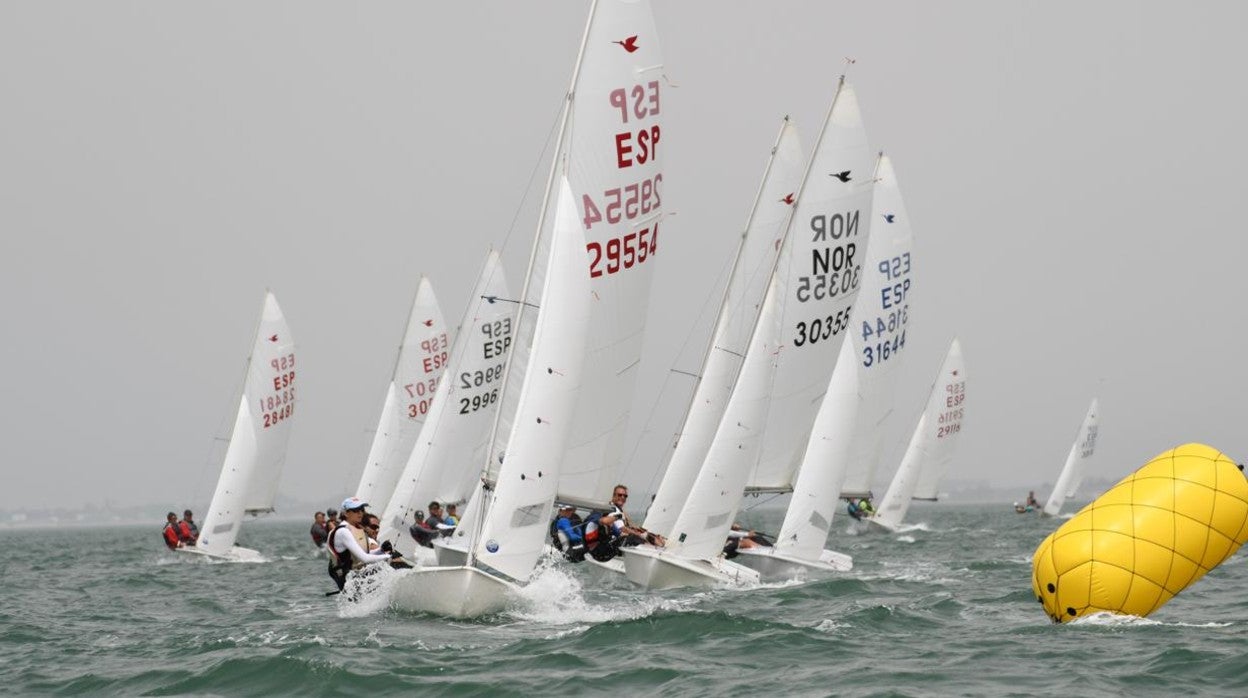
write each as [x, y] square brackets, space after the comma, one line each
[617, 495]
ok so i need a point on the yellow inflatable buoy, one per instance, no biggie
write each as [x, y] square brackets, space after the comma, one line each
[1146, 539]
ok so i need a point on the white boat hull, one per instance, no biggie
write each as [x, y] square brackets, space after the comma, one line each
[877, 526]
[236, 554]
[773, 564]
[448, 555]
[453, 592]
[655, 568]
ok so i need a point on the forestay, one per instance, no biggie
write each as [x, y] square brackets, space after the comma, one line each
[423, 356]
[257, 450]
[446, 459]
[796, 338]
[743, 296]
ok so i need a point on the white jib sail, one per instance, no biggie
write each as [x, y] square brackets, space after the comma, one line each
[1077, 460]
[932, 444]
[797, 337]
[514, 531]
[848, 430]
[747, 283]
[612, 140]
[422, 359]
[446, 459]
[257, 450]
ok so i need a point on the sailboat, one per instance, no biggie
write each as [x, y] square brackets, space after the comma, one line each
[795, 340]
[607, 163]
[847, 431]
[423, 357]
[1076, 462]
[511, 532]
[257, 450]
[445, 462]
[931, 446]
[721, 363]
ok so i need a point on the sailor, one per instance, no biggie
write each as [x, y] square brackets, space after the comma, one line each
[859, 508]
[452, 515]
[420, 531]
[605, 534]
[565, 534]
[320, 533]
[187, 530]
[1031, 501]
[348, 546]
[170, 533]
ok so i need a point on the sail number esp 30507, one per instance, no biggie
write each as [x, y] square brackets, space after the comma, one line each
[634, 203]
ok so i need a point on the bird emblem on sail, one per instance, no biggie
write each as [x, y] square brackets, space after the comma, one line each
[888, 217]
[273, 338]
[629, 44]
[843, 176]
[788, 199]
[429, 323]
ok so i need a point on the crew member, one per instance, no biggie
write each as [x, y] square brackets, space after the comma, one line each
[170, 533]
[187, 530]
[348, 546]
[319, 532]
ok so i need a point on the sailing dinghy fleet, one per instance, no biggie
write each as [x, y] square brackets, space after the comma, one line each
[525, 406]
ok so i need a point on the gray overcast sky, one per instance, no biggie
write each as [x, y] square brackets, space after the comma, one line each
[1071, 170]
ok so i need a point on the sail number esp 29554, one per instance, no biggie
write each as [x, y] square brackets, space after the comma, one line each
[636, 203]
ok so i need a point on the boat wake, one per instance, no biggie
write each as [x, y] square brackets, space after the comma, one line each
[1114, 620]
[556, 596]
[367, 591]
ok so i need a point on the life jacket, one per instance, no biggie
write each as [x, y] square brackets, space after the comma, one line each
[342, 562]
[170, 535]
[572, 552]
[187, 531]
[601, 541]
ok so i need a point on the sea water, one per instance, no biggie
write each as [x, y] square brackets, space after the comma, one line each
[942, 608]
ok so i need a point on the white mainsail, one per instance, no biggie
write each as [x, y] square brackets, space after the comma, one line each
[611, 141]
[446, 459]
[257, 450]
[847, 434]
[514, 530]
[743, 296]
[1077, 460]
[932, 444]
[797, 336]
[423, 356]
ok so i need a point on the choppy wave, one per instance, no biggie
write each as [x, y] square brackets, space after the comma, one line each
[943, 608]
